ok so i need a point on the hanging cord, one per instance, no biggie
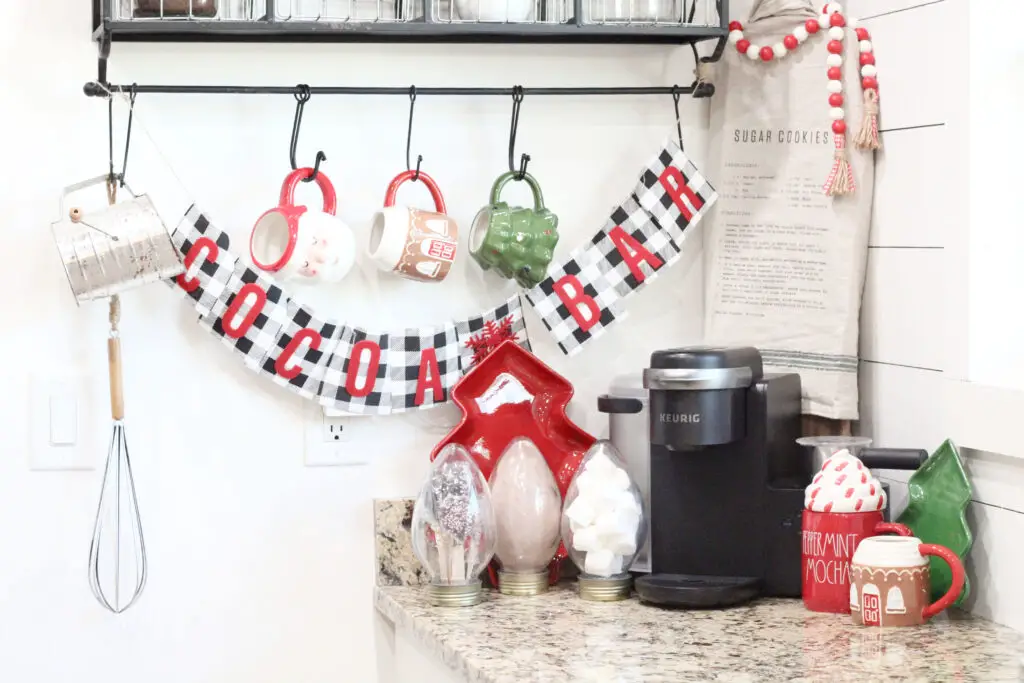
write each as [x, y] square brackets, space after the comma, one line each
[517, 103]
[679, 125]
[301, 97]
[408, 136]
[120, 92]
[112, 176]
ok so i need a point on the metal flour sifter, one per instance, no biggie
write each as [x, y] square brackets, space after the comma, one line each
[105, 252]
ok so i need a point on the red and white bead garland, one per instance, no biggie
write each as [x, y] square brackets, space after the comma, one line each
[840, 180]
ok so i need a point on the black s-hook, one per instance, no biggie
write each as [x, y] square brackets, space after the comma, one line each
[408, 136]
[301, 97]
[119, 177]
[679, 125]
[517, 103]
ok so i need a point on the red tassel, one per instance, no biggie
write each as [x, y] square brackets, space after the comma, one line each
[840, 180]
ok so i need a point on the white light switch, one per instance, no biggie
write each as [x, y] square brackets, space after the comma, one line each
[64, 429]
[63, 420]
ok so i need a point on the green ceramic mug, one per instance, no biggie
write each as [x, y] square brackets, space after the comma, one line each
[517, 242]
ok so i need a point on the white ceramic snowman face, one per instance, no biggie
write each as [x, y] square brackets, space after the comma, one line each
[295, 241]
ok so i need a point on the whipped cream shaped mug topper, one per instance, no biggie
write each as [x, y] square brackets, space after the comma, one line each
[843, 505]
[844, 484]
[294, 241]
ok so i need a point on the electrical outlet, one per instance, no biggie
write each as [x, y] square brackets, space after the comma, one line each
[329, 438]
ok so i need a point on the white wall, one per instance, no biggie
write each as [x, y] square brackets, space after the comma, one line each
[921, 209]
[261, 569]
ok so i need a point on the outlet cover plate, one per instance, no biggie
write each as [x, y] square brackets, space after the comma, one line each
[64, 423]
[329, 438]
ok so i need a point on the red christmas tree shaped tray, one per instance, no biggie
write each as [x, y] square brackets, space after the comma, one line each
[512, 393]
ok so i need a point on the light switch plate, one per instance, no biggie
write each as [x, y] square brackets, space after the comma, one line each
[64, 431]
[329, 437]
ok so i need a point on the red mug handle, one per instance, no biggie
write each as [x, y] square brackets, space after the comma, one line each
[291, 183]
[435, 191]
[893, 528]
[957, 568]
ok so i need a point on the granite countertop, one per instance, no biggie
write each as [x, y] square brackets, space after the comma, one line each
[558, 637]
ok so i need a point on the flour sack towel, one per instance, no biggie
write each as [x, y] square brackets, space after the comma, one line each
[784, 263]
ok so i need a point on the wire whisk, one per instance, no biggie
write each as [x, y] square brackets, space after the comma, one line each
[117, 553]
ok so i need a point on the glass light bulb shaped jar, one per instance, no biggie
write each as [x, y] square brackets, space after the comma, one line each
[527, 506]
[603, 524]
[453, 528]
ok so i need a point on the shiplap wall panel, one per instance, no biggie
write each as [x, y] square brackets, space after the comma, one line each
[902, 306]
[872, 8]
[994, 564]
[912, 57]
[912, 189]
[901, 407]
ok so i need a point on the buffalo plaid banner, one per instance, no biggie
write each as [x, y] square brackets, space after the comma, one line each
[584, 295]
[342, 367]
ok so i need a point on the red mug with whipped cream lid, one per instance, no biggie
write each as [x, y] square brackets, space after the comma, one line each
[843, 505]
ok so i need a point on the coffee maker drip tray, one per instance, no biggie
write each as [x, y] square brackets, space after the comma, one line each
[696, 592]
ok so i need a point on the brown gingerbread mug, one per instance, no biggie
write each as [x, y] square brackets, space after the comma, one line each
[416, 244]
[890, 584]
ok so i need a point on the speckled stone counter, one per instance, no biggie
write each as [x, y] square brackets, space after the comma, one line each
[557, 637]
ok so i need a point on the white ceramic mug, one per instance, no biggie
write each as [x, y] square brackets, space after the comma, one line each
[416, 244]
[294, 241]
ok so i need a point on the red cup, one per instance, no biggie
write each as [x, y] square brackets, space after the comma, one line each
[829, 541]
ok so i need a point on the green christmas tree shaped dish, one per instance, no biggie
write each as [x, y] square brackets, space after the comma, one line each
[939, 495]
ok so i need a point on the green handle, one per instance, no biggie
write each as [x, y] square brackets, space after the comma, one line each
[499, 184]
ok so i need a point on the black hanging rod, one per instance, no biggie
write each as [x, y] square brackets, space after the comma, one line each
[93, 89]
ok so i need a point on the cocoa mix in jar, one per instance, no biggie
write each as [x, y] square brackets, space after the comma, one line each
[176, 8]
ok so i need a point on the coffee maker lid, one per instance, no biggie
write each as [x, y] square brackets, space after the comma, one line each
[704, 367]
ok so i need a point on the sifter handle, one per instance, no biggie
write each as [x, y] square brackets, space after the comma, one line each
[116, 386]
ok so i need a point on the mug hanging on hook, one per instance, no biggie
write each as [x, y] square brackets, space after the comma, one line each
[301, 97]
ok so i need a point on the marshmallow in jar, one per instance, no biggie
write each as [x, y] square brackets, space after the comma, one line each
[603, 525]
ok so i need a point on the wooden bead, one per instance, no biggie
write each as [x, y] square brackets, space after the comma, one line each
[790, 42]
[839, 127]
[867, 58]
[835, 73]
[837, 20]
[862, 34]
[835, 47]
[75, 214]
[869, 83]
[742, 46]
[735, 26]
[812, 26]
[835, 99]
[766, 54]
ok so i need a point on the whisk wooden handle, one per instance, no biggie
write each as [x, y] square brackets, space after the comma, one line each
[116, 386]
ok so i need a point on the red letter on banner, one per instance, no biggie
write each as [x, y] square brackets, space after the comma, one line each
[355, 360]
[281, 364]
[227, 320]
[633, 253]
[576, 301]
[430, 376]
[193, 253]
[675, 184]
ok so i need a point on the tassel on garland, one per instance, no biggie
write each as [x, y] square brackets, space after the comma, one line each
[840, 180]
[867, 136]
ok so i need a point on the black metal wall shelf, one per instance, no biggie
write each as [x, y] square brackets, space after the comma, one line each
[111, 23]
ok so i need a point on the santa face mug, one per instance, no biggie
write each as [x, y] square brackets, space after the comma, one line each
[419, 245]
[294, 241]
[890, 583]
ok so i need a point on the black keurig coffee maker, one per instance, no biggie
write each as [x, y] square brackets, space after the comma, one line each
[727, 478]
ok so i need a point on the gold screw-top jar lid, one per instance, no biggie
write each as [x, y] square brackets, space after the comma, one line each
[510, 583]
[465, 595]
[611, 589]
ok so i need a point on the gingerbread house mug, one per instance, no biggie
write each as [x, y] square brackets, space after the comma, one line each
[416, 244]
[890, 582]
[296, 241]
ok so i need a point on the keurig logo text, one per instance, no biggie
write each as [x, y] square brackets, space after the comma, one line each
[680, 418]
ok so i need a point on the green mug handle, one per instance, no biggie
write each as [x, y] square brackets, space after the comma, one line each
[499, 184]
